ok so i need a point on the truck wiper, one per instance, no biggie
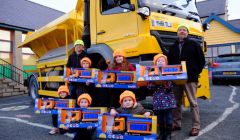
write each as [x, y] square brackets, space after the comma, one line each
[193, 13]
[171, 6]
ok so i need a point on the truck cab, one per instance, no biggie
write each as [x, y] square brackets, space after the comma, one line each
[114, 24]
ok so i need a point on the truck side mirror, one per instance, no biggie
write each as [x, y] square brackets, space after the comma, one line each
[206, 26]
[144, 12]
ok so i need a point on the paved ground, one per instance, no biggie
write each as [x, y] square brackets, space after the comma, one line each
[219, 117]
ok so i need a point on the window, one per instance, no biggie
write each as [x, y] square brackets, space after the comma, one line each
[5, 46]
[112, 6]
[5, 35]
[224, 50]
[215, 51]
[23, 37]
[209, 52]
[5, 56]
[237, 48]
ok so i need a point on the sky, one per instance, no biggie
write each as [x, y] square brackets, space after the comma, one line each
[68, 5]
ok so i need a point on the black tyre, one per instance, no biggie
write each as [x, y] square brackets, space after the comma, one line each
[33, 88]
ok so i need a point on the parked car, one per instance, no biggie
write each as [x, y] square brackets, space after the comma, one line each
[226, 67]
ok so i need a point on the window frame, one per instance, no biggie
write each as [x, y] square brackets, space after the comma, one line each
[101, 11]
[8, 41]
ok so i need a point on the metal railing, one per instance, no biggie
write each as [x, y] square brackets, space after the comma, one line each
[9, 71]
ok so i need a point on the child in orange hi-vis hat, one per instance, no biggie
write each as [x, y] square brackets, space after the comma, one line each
[163, 100]
[78, 88]
[127, 101]
[84, 101]
[63, 93]
[85, 62]
[120, 62]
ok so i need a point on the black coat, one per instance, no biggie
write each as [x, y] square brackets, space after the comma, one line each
[74, 60]
[191, 53]
[139, 110]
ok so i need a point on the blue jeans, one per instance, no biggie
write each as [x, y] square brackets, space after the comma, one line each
[164, 116]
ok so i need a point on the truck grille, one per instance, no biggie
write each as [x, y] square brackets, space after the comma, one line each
[166, 39]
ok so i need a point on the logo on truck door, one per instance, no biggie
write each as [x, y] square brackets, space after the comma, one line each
[161, 23]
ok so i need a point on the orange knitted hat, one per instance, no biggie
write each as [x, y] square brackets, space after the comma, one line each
[118, 52]
[86, 59]
[63, 88]
[84, 96]
[158, 56]
[127, 93]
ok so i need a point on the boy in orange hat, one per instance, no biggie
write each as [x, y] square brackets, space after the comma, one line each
[84, 101]
[85, 62]
[79, 88]
[63, 93]
[127, 101]
[163, 101]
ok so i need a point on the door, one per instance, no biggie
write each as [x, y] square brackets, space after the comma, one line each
[116, 26]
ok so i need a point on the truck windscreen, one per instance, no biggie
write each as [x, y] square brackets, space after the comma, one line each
[180, 8]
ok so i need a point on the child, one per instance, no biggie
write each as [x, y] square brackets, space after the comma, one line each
[85, 62]
[163, 101]
[120, 64]
[63, 93]
[127, 101]
[84, 101]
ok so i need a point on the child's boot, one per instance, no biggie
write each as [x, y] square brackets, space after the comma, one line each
[168, 132]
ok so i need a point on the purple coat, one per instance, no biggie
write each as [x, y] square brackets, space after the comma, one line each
[163, 97]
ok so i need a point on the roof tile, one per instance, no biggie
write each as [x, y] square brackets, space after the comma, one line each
[208, 7]
[26, 14]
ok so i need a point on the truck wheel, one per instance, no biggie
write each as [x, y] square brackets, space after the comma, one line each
[33, 88]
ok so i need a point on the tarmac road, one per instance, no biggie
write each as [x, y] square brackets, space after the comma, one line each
[219, 118]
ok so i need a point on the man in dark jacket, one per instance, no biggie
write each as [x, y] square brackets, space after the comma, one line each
[75, 58]
[190, 51]
[74, 62]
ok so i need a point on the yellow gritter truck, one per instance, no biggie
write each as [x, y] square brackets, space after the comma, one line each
[142, 28]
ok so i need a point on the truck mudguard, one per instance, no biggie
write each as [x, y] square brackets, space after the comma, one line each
[102, 49]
